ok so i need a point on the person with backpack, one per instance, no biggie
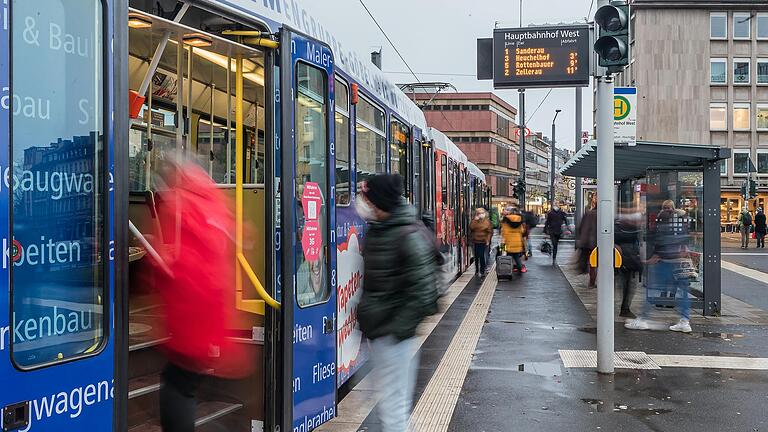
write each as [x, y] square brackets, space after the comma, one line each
[745, 227]
[399, 290]
[760, 228]
[553, 226]
[530, 220]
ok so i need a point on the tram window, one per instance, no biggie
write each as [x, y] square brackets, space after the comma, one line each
[59, 253]
[341, 145]
[444, 179]
[370, 141]
[311, 150]
[399, 137]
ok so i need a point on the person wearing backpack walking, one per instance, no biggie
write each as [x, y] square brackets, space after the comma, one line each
[399, 291]
[760, 228]
[745, 227]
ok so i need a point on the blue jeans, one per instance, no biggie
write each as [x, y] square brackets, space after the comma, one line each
[661, 278]
[395, 363]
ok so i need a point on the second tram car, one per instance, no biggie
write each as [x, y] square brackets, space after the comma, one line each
[98, 93]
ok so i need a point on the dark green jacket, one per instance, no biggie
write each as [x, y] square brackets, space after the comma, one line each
[399, 287]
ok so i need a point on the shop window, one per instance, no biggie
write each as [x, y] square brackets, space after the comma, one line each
[718, 25]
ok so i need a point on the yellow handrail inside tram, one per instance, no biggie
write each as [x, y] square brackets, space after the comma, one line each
[253, 306]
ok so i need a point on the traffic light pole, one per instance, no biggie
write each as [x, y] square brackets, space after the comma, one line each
[605, 221]
[521, 142]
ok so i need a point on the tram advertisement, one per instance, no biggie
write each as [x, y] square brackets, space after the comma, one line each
[56, 257]
[352, 352]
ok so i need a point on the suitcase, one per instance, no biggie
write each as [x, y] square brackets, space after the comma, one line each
[504, 266]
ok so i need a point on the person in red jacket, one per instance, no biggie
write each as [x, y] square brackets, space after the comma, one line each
[195, 282]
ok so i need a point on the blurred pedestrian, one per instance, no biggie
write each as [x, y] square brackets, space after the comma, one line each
[670, 268]
[553, 226]
[195, 283]
[760, 228]
[627, 239]
[399, 291]
[530, 220]
[481, 231]
[745, 227]
[513, 235]
[587, 240]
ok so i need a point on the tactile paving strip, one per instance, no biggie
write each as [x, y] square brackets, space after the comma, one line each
[435, 408]
[621, 359]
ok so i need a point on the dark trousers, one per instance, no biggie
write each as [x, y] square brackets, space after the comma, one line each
[177, 399]
[481, 254]
[760, 240]
[518, 257]
[555, 240]
[628, 288]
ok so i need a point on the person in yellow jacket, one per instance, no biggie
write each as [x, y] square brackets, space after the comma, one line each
[513, 233]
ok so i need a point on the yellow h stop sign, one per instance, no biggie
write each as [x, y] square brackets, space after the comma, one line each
[616, 258]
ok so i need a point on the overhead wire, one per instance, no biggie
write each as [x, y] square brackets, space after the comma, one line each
[537, 108]
[375, 21]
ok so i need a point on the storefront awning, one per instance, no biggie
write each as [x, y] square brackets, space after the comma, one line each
[633, 162]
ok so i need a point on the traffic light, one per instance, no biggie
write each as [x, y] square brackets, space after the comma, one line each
[519, 188]
[612, 45]
[752, 188]
[744, 190]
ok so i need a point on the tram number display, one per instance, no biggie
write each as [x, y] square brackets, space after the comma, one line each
[541, 57]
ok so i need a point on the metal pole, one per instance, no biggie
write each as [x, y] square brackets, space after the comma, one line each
[605, 220]
[553, 163]
[579, 203]
[521, 141]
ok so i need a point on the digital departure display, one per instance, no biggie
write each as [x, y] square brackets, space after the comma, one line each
[541, 57]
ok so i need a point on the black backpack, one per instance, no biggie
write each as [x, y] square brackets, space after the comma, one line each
[746, 218]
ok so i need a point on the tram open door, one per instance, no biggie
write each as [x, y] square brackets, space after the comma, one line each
[308, 241]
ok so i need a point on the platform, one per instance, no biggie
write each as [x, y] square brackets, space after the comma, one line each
[494, 361]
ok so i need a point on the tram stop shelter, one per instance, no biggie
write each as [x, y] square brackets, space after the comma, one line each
[649, 173]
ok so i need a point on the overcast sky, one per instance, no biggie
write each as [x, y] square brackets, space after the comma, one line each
[439, 37]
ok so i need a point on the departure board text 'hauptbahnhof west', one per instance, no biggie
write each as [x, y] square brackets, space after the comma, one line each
[541, 57]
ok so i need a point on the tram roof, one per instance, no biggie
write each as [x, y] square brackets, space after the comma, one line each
[300, 15]
[442, 142]
[475, 171]
[633, 161]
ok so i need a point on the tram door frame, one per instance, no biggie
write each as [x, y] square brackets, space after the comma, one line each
[27, 390]
[309, 337]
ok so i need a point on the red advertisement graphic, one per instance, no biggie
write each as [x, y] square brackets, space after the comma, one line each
[311, 240]
[311, 200]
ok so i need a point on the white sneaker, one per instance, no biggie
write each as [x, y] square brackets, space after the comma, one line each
[637, 324]
[682, 326]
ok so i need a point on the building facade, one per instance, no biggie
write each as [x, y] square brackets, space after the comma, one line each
[701, 72]
[537, 172]
[484, 127]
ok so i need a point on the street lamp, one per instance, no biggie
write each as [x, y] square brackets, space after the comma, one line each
[552, 163]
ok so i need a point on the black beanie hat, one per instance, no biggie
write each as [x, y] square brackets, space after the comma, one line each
[384, 191]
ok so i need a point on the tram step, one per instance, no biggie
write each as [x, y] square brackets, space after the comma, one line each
[207, 412]
[143, 385]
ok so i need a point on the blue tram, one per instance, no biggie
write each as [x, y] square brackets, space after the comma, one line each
[95, 95]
